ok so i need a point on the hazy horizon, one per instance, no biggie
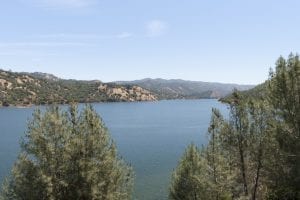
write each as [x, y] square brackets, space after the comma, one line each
[226, 42]
[130, 80]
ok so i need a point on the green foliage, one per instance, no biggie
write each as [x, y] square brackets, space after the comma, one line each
[259, 92]
[234, 163]
[262, 147]
[255, 154]
[204, 174]
[219, 168]
[284, 97]
[68, 155]
[188, 181]
[237, 139]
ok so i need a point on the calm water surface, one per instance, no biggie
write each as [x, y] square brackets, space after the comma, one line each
[150, 135]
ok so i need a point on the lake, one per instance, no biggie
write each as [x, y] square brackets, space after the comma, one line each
[151, 136]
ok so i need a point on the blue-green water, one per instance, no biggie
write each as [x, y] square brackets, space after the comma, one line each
[150, 135]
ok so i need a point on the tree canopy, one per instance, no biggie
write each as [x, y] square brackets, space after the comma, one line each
[68, 155]
[255, 154]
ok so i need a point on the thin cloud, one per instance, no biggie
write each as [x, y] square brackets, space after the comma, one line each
[65, 40]
[71, 36]
[156, 28]
[122, 35]
[64, 3]
[19, 52]
[43, 44]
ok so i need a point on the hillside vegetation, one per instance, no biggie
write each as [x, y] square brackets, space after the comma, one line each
[23, 89]
[258, 92]
[181, 89]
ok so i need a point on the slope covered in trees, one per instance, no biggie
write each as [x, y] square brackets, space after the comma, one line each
[258, 92]
[255, 154]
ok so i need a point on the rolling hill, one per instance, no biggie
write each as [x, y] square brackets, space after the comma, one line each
[182, 89]
[24, 89]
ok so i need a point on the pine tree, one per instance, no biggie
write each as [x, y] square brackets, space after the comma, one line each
[261, 147]
[68, 155]
[284, 97]
[204, 174]
[217, 163]
[188, 180]
[235, 140]
[248, 143]
[255, 154]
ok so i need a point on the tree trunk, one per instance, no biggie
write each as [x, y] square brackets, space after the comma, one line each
[259, 166]
[242, 159]
[243, 169]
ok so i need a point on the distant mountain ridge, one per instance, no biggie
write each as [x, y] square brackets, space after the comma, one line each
[182, 89]
[23, 89]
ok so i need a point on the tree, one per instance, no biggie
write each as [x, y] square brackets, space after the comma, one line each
[284, 97]
[235, 140]
[188, 179]
[218, 164]
[255, 154]
[261, 146]
[203, 174]
[246, 142]
[68, 155]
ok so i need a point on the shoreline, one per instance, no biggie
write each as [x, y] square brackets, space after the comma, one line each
[32, 105]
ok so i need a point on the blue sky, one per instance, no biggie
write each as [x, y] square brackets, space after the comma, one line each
[234, 41]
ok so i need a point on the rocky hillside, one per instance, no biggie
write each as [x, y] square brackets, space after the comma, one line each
[24, 89]
[176, 88]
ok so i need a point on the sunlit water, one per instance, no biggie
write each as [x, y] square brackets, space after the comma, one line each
[151, 136]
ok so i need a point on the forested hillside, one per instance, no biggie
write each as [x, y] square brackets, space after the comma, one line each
[258, 92]
[23, 89]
